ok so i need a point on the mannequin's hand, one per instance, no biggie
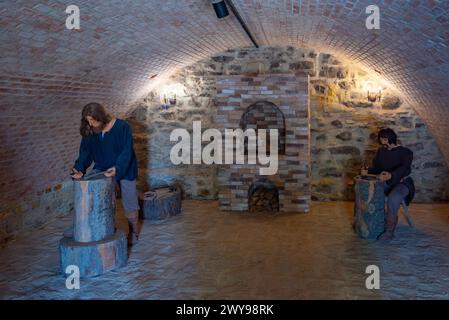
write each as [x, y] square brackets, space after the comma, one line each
[76, 174]
[110, 172]
[385, 176]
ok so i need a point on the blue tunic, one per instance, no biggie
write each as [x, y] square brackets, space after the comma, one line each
[114, 148]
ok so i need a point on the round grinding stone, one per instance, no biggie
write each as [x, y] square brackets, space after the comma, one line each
[94, 258]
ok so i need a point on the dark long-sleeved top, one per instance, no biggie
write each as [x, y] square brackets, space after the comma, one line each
[113, 148]
[398, 162]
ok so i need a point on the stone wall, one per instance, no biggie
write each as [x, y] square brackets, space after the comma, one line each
[151, 130]
[36, 210]
[344, 127]
[343, 123]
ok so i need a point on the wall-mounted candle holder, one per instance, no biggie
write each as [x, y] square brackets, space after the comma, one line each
[373, 93]
[169, 95]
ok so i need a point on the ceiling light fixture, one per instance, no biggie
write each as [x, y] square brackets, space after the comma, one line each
[221, 10]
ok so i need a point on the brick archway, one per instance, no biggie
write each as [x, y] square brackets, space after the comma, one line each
[265, 115]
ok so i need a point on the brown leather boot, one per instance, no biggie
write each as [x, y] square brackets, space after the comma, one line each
[133, 225]
[390, 225]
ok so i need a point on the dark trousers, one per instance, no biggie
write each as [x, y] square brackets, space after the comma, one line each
[395, 197]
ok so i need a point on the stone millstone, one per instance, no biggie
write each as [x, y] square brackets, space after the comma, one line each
[161, 203]
[94, 258]
[369, 209]
[94, 209]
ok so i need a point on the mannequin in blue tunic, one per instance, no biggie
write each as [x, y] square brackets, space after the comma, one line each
[108, 143]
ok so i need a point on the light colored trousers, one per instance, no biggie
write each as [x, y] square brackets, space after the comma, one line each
[130, 200]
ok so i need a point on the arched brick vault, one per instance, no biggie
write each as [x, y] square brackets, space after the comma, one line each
[48, 73]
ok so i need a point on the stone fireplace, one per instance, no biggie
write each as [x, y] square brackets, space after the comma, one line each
[268, 101]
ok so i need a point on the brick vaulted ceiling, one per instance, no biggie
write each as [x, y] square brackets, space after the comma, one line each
[48, 72]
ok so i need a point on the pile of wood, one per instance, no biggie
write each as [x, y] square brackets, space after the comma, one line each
[161, 203]
[264, 199]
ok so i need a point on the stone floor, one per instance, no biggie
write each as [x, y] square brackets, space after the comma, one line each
[207, 254]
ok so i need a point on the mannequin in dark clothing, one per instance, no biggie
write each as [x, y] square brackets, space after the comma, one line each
[392, 163]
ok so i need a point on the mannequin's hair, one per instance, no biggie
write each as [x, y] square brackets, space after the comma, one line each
[389, 134]
[98, 113]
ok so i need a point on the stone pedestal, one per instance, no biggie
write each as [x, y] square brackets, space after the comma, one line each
[95, 246]
[94, 258]
[94, 210]
[369, 209]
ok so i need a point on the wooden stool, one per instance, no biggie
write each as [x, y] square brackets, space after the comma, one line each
[407, 214]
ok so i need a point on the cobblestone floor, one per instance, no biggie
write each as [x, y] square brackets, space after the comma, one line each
[208, 254]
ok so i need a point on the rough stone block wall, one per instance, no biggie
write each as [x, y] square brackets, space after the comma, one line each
[289, 93]
[343, 122]
[151, 128]
[344, 127]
